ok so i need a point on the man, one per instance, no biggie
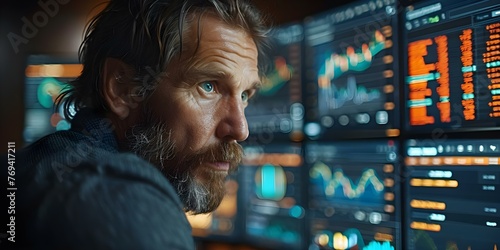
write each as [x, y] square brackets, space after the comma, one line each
[160, 105]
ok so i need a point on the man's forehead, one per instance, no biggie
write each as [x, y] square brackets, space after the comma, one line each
[209, 40]
[207, 27]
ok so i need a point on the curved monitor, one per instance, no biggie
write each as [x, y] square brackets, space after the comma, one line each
[351, 70]
[452, 66]
[354, 194]
[452, 199]
[45, 77]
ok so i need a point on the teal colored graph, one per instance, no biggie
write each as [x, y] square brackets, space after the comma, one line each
[351, 93]
[335, 181]
[375, 245]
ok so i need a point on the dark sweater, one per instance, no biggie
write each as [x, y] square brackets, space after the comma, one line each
[77, 191]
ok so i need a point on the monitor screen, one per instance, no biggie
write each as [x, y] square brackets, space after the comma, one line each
[351, 71]
[277, 109]
[273, 196]
[46, 76]
[353, 194]
[452, 194]
[452, 65]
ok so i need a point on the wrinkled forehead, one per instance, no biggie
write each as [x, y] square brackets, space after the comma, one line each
[212, 44]
[202, 29]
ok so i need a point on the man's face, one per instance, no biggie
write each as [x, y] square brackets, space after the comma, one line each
[196, 114]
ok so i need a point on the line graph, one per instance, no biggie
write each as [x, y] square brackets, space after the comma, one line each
[337, 64]
[337, 185]
[351, 81]
[337, 97]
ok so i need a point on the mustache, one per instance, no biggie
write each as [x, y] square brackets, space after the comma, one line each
[230, 152]
[155, 144]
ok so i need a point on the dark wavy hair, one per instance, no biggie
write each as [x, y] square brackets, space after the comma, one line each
[147, 35]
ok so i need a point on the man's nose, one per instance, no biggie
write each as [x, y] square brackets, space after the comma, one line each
[233, 124]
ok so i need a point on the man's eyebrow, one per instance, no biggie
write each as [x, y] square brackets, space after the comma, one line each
[256, 85]
[255, 89]
[197, 74]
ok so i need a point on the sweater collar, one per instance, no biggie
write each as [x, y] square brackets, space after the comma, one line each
[98, 127]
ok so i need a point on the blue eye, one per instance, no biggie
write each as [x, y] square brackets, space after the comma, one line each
[244, 96]
[207, 87]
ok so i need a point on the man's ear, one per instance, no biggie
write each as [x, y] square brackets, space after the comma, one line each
[117, 87]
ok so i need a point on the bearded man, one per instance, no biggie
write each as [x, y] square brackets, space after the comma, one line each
[159, 114]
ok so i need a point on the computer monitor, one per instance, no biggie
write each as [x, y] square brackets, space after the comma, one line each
[45, 77]
[354, 195]
[273, 198]
[452, 66]
[277, 113]
[351, 66]
[452, 195]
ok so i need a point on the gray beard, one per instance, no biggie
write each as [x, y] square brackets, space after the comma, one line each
[154, 143]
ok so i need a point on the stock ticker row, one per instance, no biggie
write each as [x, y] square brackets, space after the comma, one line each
[356, 136]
